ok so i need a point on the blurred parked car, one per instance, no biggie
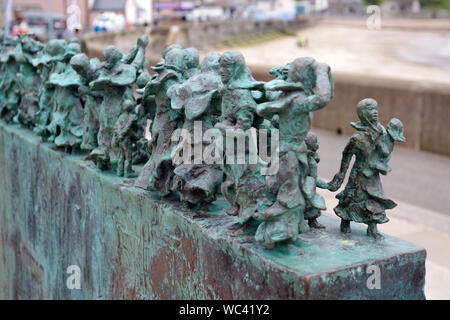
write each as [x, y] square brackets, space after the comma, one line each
[252, 13]
[109, 21]
[207, 13]
[286, 16]
[37, 23]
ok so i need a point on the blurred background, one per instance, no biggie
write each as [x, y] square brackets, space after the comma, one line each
[395, 51]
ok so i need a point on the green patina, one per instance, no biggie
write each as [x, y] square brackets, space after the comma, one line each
[201, 229]
[363, 198]
[57, 210]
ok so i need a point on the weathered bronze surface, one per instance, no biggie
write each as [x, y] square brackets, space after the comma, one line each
[57, 210]
[210, 127]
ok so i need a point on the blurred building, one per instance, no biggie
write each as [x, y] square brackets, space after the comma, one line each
[289, 5]
[319, 5]
[347, 7]
[285, 9]
[135, 12]
[400, 7]
[85, 11]
[57, 7]
[175, 10]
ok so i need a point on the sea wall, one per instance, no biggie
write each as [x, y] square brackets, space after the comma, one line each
[424, 108]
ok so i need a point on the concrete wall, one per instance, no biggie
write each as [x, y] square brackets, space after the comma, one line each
[198, 35]
[425, 112]
[423, 108]
[187, 34]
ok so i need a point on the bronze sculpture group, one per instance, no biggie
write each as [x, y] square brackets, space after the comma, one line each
[106, 107]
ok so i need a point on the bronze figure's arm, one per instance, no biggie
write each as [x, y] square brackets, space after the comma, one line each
[338, 179]
[281, 85]
[323, 89]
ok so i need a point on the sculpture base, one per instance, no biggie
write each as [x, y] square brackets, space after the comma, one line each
[58, 211]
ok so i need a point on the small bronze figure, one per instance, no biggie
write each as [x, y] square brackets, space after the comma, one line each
[307, 88]
[363, 198]
[157, 173]
[314, 202]
[123, 139]
[116, 80]
[28, 79]
[9, 90]
[50, 62]
[88, 70]
[237, 113]
[197, 100]
[65, 127]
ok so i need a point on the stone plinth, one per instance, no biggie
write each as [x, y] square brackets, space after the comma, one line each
[57, 210]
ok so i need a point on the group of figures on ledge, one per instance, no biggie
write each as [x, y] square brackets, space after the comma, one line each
[110, 108]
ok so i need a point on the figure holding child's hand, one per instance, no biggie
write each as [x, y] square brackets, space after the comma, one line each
[363, 198]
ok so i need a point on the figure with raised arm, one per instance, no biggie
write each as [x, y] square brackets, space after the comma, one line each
[307, 88]
[116, 80]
